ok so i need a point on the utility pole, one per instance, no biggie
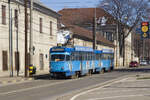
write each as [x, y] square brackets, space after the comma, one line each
[94, 30]
[17, 51]
[31, 33]
[11, 44]
[26, 38]
[10, 40]
[117, 33]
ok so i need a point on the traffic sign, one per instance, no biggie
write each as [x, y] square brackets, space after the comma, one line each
[145, 29]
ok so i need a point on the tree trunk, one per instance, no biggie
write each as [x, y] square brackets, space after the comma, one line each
[123, 51]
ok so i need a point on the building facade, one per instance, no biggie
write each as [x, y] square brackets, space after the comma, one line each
[44, 34]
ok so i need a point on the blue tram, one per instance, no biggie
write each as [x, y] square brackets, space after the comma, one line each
[76, 61]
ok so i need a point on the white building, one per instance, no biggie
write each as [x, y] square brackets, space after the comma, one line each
[44, 34]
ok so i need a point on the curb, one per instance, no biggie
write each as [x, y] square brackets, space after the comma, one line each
[15, 81]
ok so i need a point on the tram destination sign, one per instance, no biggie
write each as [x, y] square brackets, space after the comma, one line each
[57, 49]
[80, 48]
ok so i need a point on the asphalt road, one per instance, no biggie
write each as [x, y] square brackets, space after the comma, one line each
[44, 89]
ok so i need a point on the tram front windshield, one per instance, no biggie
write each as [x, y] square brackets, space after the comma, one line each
[58, 57]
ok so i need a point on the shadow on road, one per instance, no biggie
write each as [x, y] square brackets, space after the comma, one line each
[42, 77]
[47, 77]
[143, 70]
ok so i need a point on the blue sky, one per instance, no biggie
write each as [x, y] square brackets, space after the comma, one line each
[57, 5]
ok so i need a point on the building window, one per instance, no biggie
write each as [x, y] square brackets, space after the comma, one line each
[16, 18]
[41, 20]
[3, 14]
[51, 28]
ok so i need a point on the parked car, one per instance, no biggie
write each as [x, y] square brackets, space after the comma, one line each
[133, 64]
[143, 63]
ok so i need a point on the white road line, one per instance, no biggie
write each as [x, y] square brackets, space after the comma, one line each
[109, 91]
[36, 87]
[123, 96]
[82, 93]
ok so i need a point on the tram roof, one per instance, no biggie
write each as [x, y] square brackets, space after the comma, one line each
[68, 49]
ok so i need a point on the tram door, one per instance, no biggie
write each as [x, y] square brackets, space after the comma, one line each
[68, 59]
[81, 60]
[83, 63]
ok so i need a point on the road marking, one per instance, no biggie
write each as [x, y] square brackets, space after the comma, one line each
[108, 83]
[108, 91]
[123, 96]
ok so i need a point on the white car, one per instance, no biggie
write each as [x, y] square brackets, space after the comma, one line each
[143, 63]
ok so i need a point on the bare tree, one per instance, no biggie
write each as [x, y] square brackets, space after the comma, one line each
[128, 13]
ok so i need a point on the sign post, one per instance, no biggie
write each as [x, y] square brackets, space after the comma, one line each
[145, 34]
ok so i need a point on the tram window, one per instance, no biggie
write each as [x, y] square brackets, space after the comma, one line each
[97, 56]
[111, 56]
[90, 56]
[104, 56]
[80, 56]
[57, 57]
[86, 56]
[76, 56]
[67, 57]
[72, 56]
[93, 56]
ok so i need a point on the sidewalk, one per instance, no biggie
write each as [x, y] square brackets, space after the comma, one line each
[135, 87]
[6, 79]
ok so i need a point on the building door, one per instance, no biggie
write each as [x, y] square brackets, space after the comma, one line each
[5, 60]
[41, 61]
[17, 67]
